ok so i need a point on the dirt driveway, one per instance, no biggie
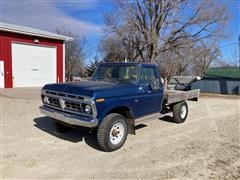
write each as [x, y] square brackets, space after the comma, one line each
[206, 146]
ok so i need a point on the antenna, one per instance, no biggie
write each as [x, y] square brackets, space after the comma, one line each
[239, 51]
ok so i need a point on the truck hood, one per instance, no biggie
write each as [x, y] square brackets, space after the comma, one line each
[94, 89]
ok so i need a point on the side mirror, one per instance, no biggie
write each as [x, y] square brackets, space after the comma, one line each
[149, 86]
[155, 84]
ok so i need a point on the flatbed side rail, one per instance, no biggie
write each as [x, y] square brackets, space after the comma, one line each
[174, 96]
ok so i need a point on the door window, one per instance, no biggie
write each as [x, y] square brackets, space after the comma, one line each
[149, 76]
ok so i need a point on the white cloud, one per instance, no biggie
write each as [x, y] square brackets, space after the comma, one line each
[47, 15]
[76, 4]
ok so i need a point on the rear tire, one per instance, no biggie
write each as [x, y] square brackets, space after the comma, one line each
[62, 128]
[180, 112]
[112, 132]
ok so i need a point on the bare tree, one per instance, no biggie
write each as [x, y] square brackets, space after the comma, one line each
[188, 61]
[150, 17]
[167, 66]
[160, 28]
[112, 50]
[205, 55]
[91, 67]
[231, 61]
[74, 53]
[125, 43]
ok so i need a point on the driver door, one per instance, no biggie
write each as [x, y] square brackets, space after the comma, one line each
[150, 92]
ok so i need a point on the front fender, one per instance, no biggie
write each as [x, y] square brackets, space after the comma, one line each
[103, 108]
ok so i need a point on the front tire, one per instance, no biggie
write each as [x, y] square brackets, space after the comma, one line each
[180, 112]
[112, 132]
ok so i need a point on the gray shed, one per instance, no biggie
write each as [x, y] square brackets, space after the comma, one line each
[220, 80]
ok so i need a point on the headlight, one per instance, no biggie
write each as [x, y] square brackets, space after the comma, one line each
[43, 91]
[45, 99]
[88, 109]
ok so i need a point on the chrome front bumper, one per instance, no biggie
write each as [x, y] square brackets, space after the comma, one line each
[69, 118]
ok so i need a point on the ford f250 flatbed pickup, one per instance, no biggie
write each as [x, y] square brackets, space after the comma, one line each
[118, 97]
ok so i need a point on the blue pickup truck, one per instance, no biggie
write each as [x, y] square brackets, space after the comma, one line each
[118, 97]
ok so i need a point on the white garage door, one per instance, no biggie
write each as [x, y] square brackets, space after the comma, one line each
[33, 66]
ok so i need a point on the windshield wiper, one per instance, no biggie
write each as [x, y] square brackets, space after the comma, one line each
[96, 78]
[103, 79]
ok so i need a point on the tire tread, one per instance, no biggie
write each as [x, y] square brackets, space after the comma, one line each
[177, 111]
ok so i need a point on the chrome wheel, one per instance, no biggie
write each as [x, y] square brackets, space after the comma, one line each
[183, 111]
[116, 133]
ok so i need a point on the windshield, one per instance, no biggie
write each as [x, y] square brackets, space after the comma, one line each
[117, 73]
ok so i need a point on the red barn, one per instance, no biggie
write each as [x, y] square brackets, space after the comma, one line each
[30, 57]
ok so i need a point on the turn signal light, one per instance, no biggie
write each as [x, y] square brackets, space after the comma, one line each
[100, 100]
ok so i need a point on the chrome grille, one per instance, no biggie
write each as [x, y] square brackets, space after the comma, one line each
[73, 106]
[65, 102]
[54, 101]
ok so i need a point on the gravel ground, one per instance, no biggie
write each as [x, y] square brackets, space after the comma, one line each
[206, 146]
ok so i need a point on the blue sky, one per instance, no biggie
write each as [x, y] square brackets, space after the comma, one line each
[229, 46]
[86, 17]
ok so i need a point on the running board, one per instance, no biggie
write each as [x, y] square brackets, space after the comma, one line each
[151, 117]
